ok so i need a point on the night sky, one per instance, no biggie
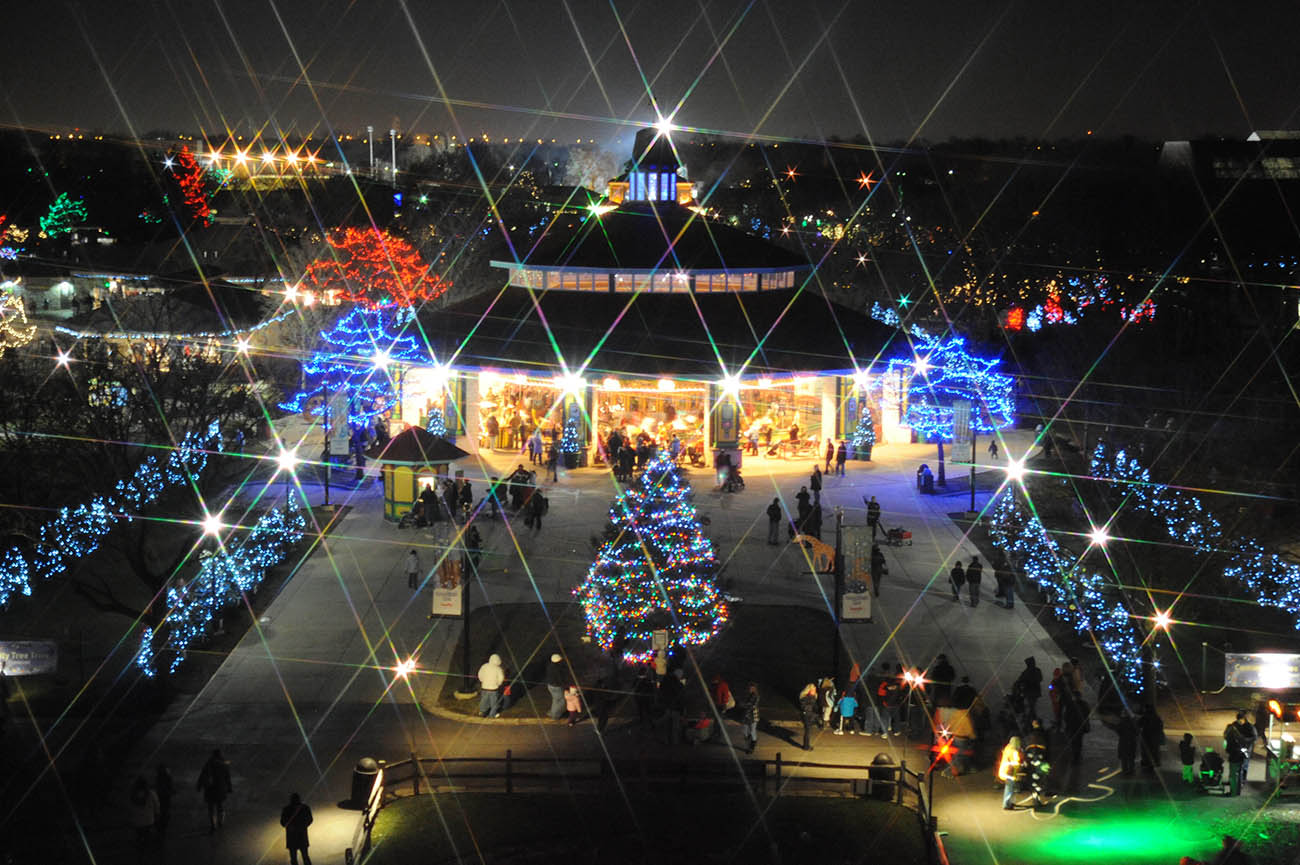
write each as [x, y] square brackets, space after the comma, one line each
[891, 71]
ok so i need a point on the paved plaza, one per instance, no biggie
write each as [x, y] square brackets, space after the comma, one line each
[311, 690]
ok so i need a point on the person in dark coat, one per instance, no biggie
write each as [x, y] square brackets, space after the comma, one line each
[964, 694]
[1151, 731]
[214, 783]
[451, 499]
[1126, 730]
[557, 676]
[810, 712]
[1030, 685]
[877, 568]
[774, 522]
[1074, 715]
[974, 573]
[841, 457]
[749, 718]
[164, 787]
[830, 454]
[295, 818]
[815, 484]
[873, 516]
[803, 506]
[957, 579]
[942, 675]
[536, 506]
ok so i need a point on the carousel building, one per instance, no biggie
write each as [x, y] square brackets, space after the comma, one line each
[644, 315]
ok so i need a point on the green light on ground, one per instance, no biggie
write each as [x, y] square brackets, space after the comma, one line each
[1120, 836]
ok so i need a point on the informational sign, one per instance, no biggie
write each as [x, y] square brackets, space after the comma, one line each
[961, 420]
[659, 639]
[448, 594]
[29, 657]
[856, 607]
[1269, 670]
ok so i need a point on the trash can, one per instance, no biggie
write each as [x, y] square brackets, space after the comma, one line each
[884, 776]
[363, 781]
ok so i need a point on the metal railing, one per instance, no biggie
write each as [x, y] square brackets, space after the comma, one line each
[775, 777]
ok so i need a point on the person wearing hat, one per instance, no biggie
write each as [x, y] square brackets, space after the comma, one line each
[556, 678]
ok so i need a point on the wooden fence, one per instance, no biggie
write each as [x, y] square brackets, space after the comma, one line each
[776, 777]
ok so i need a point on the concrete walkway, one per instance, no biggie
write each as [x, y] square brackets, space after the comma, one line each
[311, 690]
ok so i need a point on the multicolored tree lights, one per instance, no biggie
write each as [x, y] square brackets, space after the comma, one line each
[223, 579]
[570, 442]
[354, 361]
[77, 532]
[437, 424]
[656, 570]
[63, 217]
[373, 268]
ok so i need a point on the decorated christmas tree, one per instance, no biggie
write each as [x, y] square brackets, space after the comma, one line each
[945, 373]
[569, 441]
[64, 216]
[193, 183]
[354, 361]
[374, 268]
[654, 571]
[864, 437]
[15, 329]
[437, 423]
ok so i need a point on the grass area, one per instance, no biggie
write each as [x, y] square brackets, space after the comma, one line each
[686, 828]
[780, 648]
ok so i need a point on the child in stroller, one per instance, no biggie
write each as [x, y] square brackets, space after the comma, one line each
[1211, 774]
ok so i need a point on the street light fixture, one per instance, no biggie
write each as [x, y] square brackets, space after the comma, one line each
[1162, 620]
[1015, 470]
[1099, 536]
[212, 525]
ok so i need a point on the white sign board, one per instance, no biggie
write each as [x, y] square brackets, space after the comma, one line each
[856, 607]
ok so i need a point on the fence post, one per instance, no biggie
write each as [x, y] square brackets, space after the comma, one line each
[415, 776]
[510, 780]
[778, 774]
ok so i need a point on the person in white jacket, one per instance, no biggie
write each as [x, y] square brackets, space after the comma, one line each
[491, 676]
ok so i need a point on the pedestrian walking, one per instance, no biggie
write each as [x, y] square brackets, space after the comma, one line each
[573, 703]
[536, 508]
[412, 569]
[553, 463]
[1126, 747]
[803, 505]
[957, 579]
[830, 454]
[809, 712]
[974, 573]
[491, 676]
[993, 448]
[841, 457]
[556, 678]
[535, 447]
[749, 718]
[1030, 687]
[1008, 769]
[891, 700]
[774, 522]
[878, 569]
[143, 811]
[1006, 583]
[1151, 732]
[815, 484]
[942, 677]
[295, 818]
[214, 783]
[163, 788]
[873, 516]
[1187, 756]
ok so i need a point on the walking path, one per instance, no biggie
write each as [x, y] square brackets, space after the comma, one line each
[311, 689]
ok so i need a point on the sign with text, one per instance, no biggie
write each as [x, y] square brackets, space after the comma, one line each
[448, 593]
[856, 607]
[961, 420]
[1271, 670]
[29, 657]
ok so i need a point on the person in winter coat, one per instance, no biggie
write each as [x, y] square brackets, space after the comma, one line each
[1126, 731]
[1151, 732]
[749, 718]
[957, 579]
[1238, 742]
[878, 569]
[1056, 691]
[873, 516]
[295, 818]
[573, 703]
[829, 700]
[412, 569]
[164, 787]
[774, 522]
[491, 676]
[809, 711]
[815, 484]
[143, 807]
[841, 457]
[1187, 756]
[1008, 769]
[830, 454]
[1030, 686]
[214, 783]
[848, 713]
[556, 678]
[974, 573]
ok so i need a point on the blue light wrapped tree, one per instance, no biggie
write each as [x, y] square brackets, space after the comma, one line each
[864, 437]
[354, 360]
[655, 570]
[437, 424]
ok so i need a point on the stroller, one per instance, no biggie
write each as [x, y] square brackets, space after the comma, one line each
[1210, 779]
[734, 483]
[898, 537]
